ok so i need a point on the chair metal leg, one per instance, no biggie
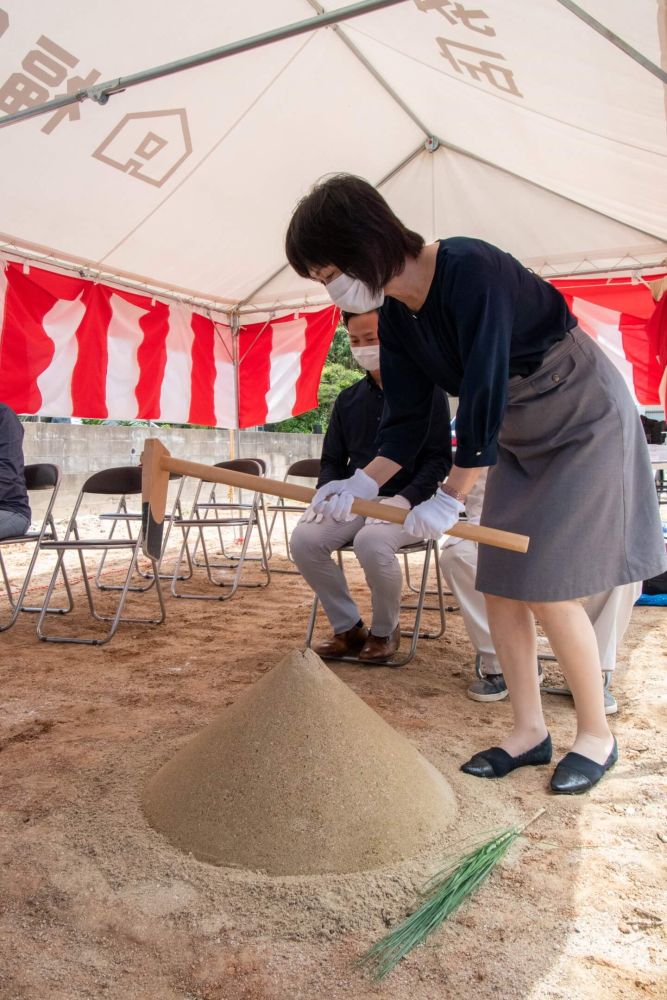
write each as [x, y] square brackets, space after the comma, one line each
[230, 586]
[17, 605]
[413, 634]
[550, 658]
[311, 621]
[114, 619]
[429, 593]
[421, 606]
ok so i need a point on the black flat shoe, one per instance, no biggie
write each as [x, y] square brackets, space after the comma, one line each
[575, 773]
[496, 762]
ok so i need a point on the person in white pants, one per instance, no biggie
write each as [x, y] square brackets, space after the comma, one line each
[348, 445]
[609, 612]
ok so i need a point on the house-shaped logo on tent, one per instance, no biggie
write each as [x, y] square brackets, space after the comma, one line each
[149, 145]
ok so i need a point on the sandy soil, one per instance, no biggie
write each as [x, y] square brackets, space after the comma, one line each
[94, 903]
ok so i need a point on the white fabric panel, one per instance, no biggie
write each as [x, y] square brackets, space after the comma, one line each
[289, 341]
[602, 325]
[462, 197]
[589, 123]
[224, 391]
[55, 383]
[123, 341]
[635, 23]
[175, 394]
[127, 37]
[234, 238]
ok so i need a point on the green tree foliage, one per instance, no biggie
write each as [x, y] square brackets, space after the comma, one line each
[339, 352]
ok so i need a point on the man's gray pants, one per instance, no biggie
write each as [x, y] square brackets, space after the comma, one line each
[375, 546]
[12, 524]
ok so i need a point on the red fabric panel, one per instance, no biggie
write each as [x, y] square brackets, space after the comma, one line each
[255, 343]
[639, 322]
[90, 371]
[656, 329]
[202, 406]
[25, 349]
[645, 369]
[319, 334]
[151, 356]
[618, 294]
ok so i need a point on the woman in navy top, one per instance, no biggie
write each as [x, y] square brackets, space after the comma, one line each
[540, 404]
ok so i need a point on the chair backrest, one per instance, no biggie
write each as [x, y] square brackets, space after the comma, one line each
[251, 466]
[123, 479]
[260, 462]
[305, 468]
[41, 476]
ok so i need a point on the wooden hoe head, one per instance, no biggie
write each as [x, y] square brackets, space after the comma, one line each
[154, 485]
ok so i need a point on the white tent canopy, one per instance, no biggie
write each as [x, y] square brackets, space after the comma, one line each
[515, 122]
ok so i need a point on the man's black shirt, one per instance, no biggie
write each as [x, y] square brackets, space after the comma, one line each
[350, 443]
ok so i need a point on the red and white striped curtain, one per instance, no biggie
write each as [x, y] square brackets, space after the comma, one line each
[625, 320]
[72, 347]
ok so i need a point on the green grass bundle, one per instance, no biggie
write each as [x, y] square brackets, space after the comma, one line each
[443, 894]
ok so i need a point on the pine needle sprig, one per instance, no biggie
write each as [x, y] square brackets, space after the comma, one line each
[443, 893]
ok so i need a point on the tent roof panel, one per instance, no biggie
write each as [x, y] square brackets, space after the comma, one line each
[191, 179]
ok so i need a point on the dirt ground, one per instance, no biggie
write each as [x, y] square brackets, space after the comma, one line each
[96, 904]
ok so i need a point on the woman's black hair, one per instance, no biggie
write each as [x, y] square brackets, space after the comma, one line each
[344, 221]
[347, 316]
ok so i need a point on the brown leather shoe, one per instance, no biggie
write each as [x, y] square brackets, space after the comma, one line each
[343, 643]
[380, 649]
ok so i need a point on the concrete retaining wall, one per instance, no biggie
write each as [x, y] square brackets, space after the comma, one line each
[81, 449]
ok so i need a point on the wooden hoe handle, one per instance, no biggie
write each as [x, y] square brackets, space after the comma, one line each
[158, 463]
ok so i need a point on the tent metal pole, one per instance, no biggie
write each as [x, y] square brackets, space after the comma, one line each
[235, 325]
[102, 91]
[374, 72]
[615, 39]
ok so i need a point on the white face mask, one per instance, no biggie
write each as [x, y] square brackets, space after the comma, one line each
[353, 295]
[367, 357]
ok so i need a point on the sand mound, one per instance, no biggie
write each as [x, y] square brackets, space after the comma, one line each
[299, 776]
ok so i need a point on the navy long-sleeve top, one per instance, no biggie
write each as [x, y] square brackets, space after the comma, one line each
[13, 493]
[351, 442]
[485, 319]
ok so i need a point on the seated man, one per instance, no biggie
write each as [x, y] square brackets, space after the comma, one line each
[349, 445]
[609, 612]
[14, 505]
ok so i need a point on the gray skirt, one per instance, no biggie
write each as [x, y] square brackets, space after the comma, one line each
[574, 473]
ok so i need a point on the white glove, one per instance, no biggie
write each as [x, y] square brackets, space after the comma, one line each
[434, 517]
[310, 515]
[397, 501]
[342, 493]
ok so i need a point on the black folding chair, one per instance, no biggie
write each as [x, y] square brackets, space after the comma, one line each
[38, 478]
[218, 515]
[122, 481]
[123, 515]
[228, 554]
[304, 468]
